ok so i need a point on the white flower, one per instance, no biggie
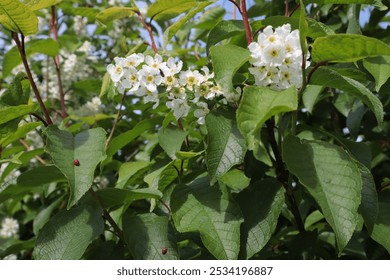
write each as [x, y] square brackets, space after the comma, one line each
[130, 79]
[133, 60]
[171, 68]
[189, 79]
[277, 58]
[116, 71]
[177, 92]
[86, 47]
[9, 228]
[149, 78]
[180, 107]
[201, 113]
[155, 63]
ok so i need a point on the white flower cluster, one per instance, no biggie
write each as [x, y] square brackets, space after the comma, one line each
[9, 228]
[143, 76]
[277, 58]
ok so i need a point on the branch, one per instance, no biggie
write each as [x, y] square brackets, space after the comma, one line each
[22, 51]
[117, 118]
[150, 32]
[53, 23]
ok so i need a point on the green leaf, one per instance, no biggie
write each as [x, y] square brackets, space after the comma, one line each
[261, 205]
[162, 10]
[171, 139]
[87, 147]
[381, 231]
[236, 180]
[310, 96]
[303, 27]
[332, 178]
[225, 146]
[257, 105]
[128, 170]
[174, 28]
[87, 12]
[13, 112]
[223, 30]
[67, 235]
[17, 93]
[369, 2]
[125, 138]
[147, 234]
[379, 68]
[108, 15]
[18, 17]
[347, 48]
[111, 197]
[43, 46]
[20, 132]
[187, 155]
[369, 207]
[330, 78]
[225, 69]
[40, 176]
[215, 215]
[40, 4]
[44, 215]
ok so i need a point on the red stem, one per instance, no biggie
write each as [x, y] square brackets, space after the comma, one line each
[22, 51]
[286, 13]
[150, 32]
[247, 27]
[53, 23]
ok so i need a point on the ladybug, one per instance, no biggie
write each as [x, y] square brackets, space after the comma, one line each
[76, 162]
[164, 250]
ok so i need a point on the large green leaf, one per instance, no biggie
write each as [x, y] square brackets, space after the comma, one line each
[381, 231]
[330, 78]
[108, 15]
[257, 105]
[174, 28]
[332, 178]
[40, 175]
[148, 235]
[18, 17]
[261, 205]
[171, 139]
[17, 93]
[40, 4]
[161, 10]
[43, 46]
[200, 207]
[14, 135]
[369, 206]
[223, 30]
[125, 138]
[13, 112]
[379, 68]
[225, 69]
[225, 146]
[128, 170]
[110, 197]
[87, 148]
[347, 48]
[67, 235]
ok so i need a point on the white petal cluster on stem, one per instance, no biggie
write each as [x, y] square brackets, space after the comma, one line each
[276, 57]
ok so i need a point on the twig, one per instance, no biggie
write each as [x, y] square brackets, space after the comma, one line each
[40, 118]
[38, 158]
[53, 23]
[22, 51]
[149, 29]
[106, 215]
[117, 118]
